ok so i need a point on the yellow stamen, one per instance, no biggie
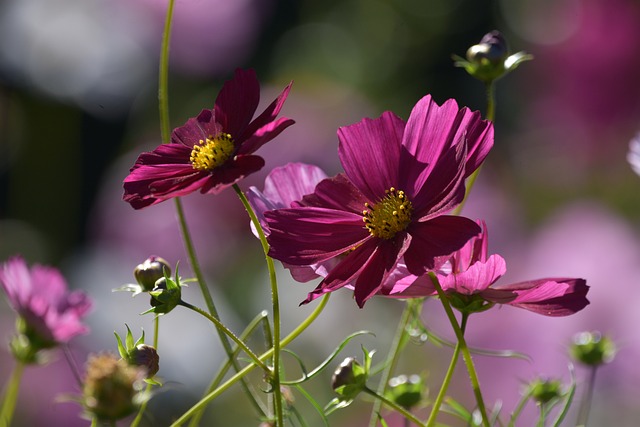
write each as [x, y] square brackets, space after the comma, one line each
[389, 216]
[211, 153]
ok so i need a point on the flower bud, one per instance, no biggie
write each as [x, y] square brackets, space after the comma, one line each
[145, 356]
[544, 391]
[150, 271]
[592, 349]
[490, 59]
[349, 379]
[112, 389]
[406, 391]
[165, 296]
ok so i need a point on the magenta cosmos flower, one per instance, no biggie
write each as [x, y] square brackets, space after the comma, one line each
[41, 299]
[399, 181]
[470, 281]
[211, 151]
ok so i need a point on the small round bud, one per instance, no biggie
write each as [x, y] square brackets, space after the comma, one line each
[160, 285]
[592, 349]
[492, 48]
[111, 387]
[406, 391]
[544, 391]
[147, 357]
[149, 271]
[349, 379]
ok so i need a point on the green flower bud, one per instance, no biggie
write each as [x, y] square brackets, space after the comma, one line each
[490, 59]
[150, 271]
[165, 296]
[349, 379]
[145, 356]
[544, 391]
[112, 389]
[592, 349]
[406, 391]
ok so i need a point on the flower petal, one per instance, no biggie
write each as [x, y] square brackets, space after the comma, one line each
[237, 101]
[549, 297]
[478, 277]
[336, 193]
[231, 172]
[434, 238]
[378, 267]
[268, 115]
[263, 135]
[369, 151]
[290, 183]
[196, 129]
[304, 236]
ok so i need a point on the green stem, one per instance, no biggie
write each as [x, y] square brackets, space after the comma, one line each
[145, 402]
[11, 395]
[230, 334]
[408, 415]
[275, 307]
[399, 341]
[519, 407]
[491, 101]
[447, 378]
[195, 421]
[466, 354]
[163, 77]
[585, 403]
[223, 387]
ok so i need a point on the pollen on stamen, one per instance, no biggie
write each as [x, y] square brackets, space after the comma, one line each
[389, 216]
[212, 152]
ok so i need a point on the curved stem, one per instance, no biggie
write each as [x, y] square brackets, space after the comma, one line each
[230, 334]
[223, 387]
[466, 354]
[447, 378]
[275, 306]
[11, 395]
[399, 340]
[408, 415]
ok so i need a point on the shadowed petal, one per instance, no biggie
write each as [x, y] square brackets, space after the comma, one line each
[369, 152]
[436, 237]
[264, 135]
[336, 193]
[304, 236]
[476, 278]
[269, 114]
[237, 101]
[232, 172]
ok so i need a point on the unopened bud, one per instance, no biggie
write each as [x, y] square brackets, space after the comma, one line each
[592, 349]
[544, 391]
[406, 391]
[149, 271]
[145, 356]
[349, 379]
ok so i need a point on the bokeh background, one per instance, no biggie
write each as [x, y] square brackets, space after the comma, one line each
[78, 103]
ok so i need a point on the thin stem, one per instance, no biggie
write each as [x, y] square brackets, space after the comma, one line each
[521, 404]
[466, 354]
[399, 341]
[405, 413]
[143, 405]
[11, 395]
[163, 77]
[447, 378]
[275, 307]
[491, 101]
[73, 365]
[585, 403]
[195, 421]
[230, 334]
[223, 387]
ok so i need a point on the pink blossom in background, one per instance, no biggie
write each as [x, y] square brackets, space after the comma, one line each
[39, 295]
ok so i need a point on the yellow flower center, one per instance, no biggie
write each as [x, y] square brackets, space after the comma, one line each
[211, 153]
[389, 216]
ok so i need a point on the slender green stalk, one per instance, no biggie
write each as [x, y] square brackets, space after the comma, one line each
[405, 413]
[466, 354]
[447, 378]
[491, 101]
[71, 361]
[163, 77]
[260, 318]
[230, 334]
[399, 341]
[585, 403]
[11, 395]
[223, 387]
[521, 404]
[275, 380]
[145, 402]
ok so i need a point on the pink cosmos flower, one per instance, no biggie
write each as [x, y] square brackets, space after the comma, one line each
[211, 151]
[470, 274]
[41, 298]
[399, 181]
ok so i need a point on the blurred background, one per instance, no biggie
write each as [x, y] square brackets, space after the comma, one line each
[78, 103]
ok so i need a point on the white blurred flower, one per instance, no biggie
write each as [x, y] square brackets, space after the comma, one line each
[634, 154]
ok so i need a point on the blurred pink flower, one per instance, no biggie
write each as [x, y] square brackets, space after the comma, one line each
[40, 297]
